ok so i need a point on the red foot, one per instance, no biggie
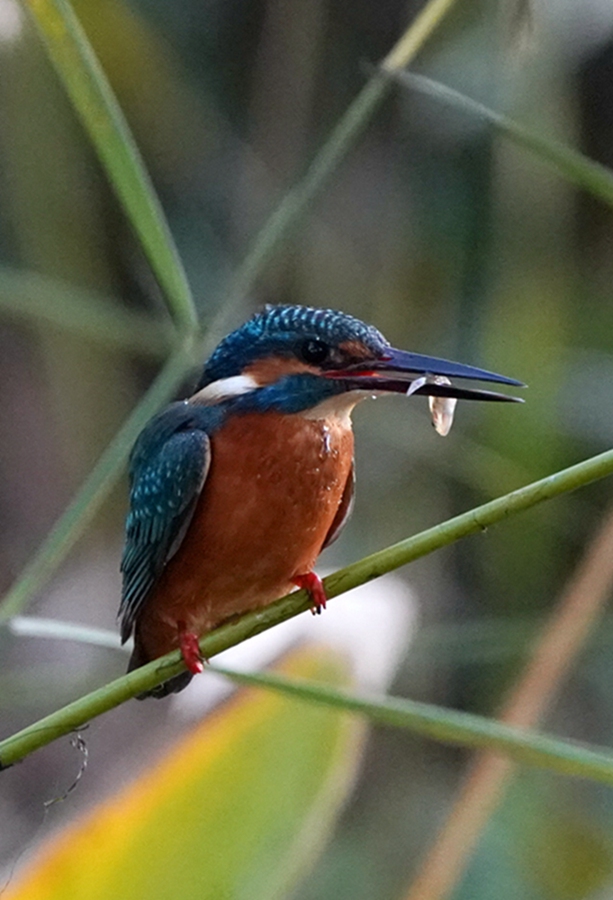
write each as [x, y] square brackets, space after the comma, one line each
[190, 650]
[314, 585]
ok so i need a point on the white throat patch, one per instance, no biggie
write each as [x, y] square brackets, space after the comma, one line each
[339, 407]
[224, 389]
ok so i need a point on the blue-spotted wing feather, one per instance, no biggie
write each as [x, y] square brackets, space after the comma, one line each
[168, 468]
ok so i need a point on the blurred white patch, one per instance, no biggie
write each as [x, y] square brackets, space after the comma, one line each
[579, 25]
[372, 625]
[11, 21]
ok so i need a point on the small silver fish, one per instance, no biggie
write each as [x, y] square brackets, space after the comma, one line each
[441, 408]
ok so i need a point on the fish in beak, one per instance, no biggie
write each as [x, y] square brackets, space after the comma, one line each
[401, 372]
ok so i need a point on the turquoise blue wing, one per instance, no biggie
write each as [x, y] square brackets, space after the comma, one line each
[168, 469]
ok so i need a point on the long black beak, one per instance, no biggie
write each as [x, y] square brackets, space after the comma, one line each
[398, 369]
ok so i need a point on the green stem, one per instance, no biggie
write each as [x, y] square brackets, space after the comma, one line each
[568, 163]
[111, 695]
[445, 725]
[471, 522]
[92, 96]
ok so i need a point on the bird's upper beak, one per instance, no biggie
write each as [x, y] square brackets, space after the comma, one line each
[401, 372]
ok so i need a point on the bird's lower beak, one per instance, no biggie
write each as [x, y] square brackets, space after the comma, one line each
[410, 373]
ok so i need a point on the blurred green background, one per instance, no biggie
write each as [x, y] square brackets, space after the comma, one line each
[449, 239]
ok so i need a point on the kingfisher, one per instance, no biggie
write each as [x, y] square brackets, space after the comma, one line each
[235, 491]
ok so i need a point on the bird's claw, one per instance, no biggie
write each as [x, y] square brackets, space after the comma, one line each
[190, 650]
[313, 585]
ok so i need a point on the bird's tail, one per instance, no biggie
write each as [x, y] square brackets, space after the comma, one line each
[172, 686]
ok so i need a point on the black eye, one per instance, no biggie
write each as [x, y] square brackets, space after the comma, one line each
[314, 352]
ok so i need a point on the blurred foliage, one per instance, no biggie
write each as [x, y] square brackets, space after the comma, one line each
[447, 237]
[176, 830]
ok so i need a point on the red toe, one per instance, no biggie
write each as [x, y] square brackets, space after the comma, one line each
[190, 650]
[313, 584]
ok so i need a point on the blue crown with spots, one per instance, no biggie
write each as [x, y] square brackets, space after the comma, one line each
[279, 329]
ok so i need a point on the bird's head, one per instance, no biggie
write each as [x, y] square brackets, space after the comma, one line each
[294, 358]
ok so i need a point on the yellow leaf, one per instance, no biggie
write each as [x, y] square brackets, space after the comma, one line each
[236, 810]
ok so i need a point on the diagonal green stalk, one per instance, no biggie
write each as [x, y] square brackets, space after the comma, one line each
[475, 520]
[568, 163]
[92, 96]
[293, 206]
[472, 522]
[101, 480]
[430, 721]
[445, 725]
[437, 723]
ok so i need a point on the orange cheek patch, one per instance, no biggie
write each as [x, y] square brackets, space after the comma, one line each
[269, 370]
[356, 350]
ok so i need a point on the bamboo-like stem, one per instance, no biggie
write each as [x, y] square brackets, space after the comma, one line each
[471, 522]
[437, 723]
[67, 719]
[92, 96]
[579, 609]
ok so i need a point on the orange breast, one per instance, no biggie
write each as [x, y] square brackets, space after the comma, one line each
[272, 491]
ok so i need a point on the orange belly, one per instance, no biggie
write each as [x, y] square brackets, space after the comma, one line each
[271, 494]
